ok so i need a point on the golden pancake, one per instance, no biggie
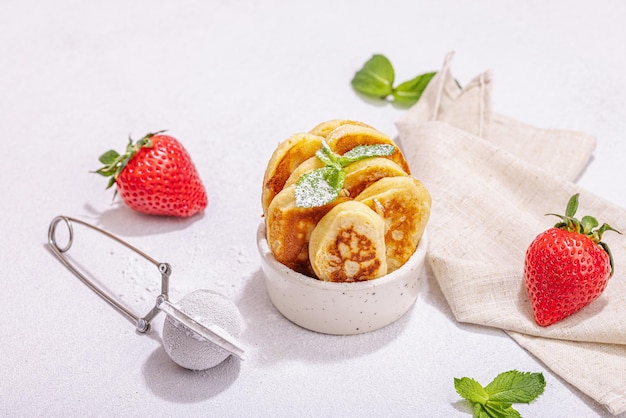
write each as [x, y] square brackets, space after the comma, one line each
[348, 244]
[361, 174]
[287, 156]
[324, 128]
[346, 137]
[306, 167]
[288, 229]
[405, 204]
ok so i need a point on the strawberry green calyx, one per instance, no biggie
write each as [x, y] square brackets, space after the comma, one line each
[114, 163]
[587, 226]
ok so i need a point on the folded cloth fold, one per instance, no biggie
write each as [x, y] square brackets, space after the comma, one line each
[470, 109]
[492, 180]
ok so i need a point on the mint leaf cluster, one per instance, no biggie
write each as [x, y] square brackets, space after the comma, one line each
[323, 185]
[376, 80]
[496, 399]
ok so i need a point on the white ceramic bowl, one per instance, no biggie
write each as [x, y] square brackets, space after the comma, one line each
[341, 308]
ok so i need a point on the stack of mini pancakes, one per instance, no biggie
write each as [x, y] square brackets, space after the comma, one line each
[370, 230]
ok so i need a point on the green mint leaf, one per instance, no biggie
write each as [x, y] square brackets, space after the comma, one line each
[323, 185]
[328, 157]
[479, 411]
[495, 400]
[496, 410]
[319, 187]
[409, 92]
[516, 387]
[471, 390]
[361, 152]
[375, 78]
[335, 178]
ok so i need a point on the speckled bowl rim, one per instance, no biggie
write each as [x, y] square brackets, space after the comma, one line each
[418, 256]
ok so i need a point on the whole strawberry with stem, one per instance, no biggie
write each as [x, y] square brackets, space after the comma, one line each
[568, 266]
[156, 176]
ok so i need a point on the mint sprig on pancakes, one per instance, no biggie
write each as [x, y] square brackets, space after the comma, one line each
[323, 185]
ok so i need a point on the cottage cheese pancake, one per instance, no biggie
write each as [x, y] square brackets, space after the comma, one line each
[363, 173]
[348, 244]
[289, 228]
[325, 128]
[346, 137]
[404, 203]
[307, 166]
[287, 156]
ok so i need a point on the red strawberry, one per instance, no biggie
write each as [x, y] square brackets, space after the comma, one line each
[567, 267]
[156, 176]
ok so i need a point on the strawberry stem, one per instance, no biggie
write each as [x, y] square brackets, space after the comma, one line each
[114, 163]
[587, 226]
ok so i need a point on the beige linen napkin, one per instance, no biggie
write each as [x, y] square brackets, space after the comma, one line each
[492, 180]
